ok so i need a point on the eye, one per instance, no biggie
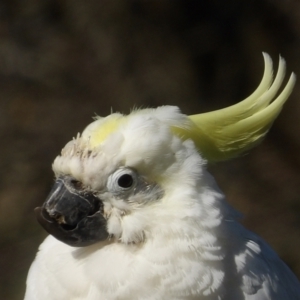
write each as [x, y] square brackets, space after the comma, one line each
[123, 179]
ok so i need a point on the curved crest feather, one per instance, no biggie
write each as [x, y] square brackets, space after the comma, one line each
[226, 133]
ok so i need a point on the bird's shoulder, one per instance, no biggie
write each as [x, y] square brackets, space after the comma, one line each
[262, 274]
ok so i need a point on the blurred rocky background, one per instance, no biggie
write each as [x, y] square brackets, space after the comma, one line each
[62, 61]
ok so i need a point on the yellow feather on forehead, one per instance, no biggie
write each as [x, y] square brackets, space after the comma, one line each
[226, 133]
[100, 129]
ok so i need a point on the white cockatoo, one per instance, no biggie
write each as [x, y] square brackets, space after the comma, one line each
[134, 214]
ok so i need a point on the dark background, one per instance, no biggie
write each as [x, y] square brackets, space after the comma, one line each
[62, 61]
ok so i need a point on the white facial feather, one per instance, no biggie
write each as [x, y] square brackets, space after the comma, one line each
[146, 144]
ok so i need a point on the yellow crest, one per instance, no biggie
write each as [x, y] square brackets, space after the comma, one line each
[226, 133]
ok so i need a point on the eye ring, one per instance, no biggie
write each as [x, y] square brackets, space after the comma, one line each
[122, 180]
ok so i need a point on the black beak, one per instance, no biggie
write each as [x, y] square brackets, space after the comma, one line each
[73, 217]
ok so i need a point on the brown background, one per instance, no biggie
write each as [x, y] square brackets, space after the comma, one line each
[61, 61]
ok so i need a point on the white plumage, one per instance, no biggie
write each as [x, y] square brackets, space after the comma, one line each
[168, 232]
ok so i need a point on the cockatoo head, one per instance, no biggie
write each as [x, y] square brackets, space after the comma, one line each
[123, 172]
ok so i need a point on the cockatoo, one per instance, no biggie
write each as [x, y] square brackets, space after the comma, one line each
[134, 214]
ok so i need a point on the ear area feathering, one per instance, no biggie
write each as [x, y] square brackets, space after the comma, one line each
[226, 133]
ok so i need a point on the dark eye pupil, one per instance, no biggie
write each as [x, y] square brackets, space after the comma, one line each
[125, 181]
